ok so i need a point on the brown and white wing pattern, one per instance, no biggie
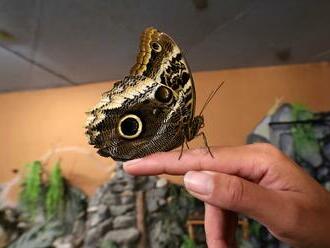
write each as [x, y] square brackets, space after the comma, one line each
[161, 59]
[130, 122]
[150, 110]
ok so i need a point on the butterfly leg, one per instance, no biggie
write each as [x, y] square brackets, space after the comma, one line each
[205, 142]
[181, 151]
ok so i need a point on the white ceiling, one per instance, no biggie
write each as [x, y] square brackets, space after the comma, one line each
[67, 42]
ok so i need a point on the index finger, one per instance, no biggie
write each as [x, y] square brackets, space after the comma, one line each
[246, 161]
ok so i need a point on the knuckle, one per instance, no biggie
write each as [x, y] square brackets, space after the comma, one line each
[264, 147]
[267, 151]
[235, 191]
[201, 152]
[196, 151]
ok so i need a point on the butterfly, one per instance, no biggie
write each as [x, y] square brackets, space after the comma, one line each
[150, 110]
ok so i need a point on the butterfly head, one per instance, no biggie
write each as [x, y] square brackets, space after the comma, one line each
[194, 126]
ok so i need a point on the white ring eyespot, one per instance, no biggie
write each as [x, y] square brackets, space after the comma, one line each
[130, 126]
[156, 46]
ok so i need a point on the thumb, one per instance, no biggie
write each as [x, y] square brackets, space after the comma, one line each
[235, 194]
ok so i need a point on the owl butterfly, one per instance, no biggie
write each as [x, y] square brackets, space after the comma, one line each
[150, 110]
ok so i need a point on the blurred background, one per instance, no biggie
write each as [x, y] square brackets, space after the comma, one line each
[57, 57]
[47, 44]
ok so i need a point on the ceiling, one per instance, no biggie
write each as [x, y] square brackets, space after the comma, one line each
[45, 43]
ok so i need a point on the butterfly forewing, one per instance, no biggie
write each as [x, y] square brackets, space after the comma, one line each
[161, 59]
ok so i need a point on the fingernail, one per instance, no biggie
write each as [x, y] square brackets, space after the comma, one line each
[198, 182]
[131, 162]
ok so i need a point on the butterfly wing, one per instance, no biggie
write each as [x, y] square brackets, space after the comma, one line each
[132, 101]
[161, 59]
[151, 109]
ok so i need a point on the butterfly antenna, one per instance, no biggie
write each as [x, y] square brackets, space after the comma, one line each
[210, 97]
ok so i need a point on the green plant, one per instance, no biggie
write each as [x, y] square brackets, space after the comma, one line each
[187, 242]
[255, 228]
[303, 134]
[32, 188]
[55, 192]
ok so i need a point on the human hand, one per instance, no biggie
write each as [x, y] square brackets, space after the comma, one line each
[256, 180]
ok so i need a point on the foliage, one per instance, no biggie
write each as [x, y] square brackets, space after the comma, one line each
[55, 192]
[32, 194]
[255, 229]
[32, 188]
[300, 112]
[303, 134]
[51, 198]
[187, 242]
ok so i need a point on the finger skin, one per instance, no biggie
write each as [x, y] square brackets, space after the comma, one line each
[220, 226]
[226, 161]
[252, 162]
[236, 194]
[292, 217]
[257, 180]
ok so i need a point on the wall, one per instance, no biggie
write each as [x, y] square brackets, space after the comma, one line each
[49, 124]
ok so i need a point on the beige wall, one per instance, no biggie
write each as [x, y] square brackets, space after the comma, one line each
[49, 123]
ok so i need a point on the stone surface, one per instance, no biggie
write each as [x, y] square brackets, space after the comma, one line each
[282, 114]
[121, 209]
[102, 213]
[255, 138]
[124, 221]
[4, 237]
[63, 242]
[311, 154]
[286, 144]
[152, 203]
[326, 147]
[2, 197]
[110, 218]
[41, 235]
[11, 226]
[127, 199]
[112, 209]
[162, 182]
[123, 235]
[327, 186]
[69, 227]
[323, 174]
[120, 226]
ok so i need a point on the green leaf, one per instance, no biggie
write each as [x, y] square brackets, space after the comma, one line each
[55, 192]
[187, 242]
[32, 188]
[305, 142]
[255, 229]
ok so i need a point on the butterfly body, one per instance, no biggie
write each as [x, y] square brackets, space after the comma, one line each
[150, 110]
